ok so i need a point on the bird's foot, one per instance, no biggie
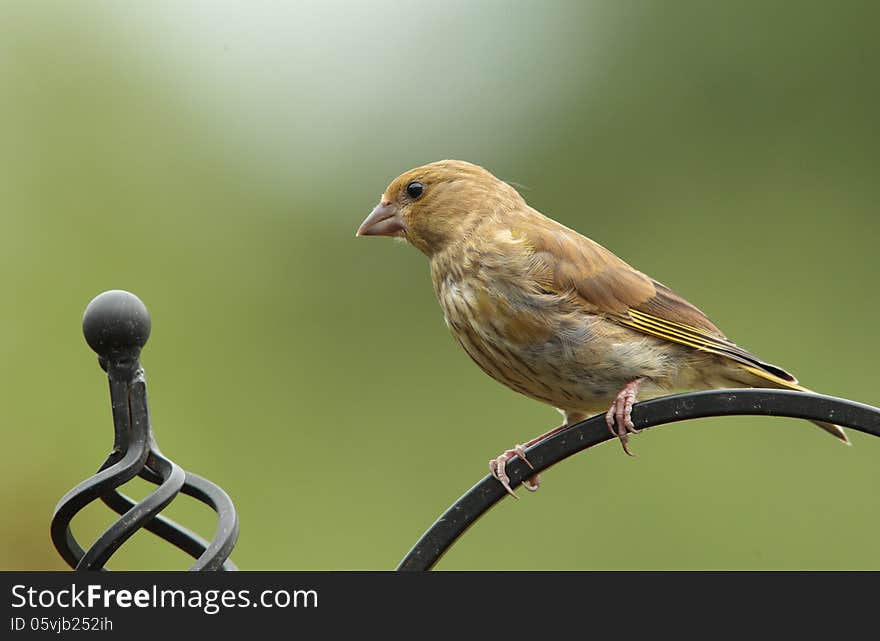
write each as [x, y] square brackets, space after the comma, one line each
[497, 465]
[497, 469]
[620, 414]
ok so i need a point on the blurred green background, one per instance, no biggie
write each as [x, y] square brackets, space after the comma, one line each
[216, 158]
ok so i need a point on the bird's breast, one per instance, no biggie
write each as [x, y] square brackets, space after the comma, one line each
[542, 346]
[529, 341]
[494, 333]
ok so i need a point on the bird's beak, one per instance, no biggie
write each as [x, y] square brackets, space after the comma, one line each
[382, 221]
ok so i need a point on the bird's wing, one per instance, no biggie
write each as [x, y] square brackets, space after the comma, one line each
[572, 265]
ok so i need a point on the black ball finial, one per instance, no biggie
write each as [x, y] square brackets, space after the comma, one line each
[116, 323]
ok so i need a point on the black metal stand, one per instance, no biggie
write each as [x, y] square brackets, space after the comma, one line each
[669, 409]
[116, 325]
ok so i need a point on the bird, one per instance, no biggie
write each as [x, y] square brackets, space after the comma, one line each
[552, 314]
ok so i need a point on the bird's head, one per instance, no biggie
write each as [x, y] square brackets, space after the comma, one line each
[435, 205]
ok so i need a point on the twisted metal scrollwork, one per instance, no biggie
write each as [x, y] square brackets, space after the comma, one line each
[116, 325]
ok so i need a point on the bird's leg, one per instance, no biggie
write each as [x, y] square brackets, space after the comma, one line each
[620, 413]
[498, 464]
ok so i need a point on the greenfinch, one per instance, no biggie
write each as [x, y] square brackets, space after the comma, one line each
[552, 314]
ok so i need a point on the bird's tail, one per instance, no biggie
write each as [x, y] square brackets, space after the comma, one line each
[790, 382]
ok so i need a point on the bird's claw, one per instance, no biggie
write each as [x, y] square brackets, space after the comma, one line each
[498, 465]
[619, 415]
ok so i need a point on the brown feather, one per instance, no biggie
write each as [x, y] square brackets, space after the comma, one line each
[606, 284]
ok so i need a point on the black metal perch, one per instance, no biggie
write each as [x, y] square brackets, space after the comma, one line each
[116, 325]
[669, 409]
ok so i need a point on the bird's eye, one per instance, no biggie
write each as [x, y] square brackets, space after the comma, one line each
[415, 189]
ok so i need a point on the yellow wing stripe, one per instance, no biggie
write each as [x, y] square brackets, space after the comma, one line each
[697, 339]
[690, 328]
[674, 337]
[660, 328]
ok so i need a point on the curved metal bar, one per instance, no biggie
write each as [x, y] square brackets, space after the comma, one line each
[119, 468]
[113, 537]
[181, 537]
[660, 411]
[209, 556]
[215, 556]
[116, 325]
